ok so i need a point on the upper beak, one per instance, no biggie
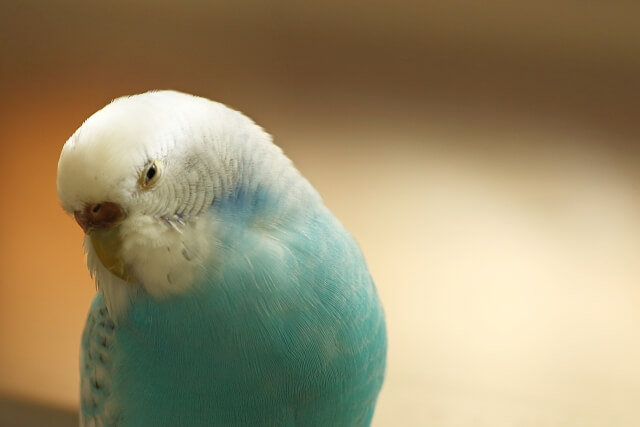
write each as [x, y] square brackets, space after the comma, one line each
[99, 216]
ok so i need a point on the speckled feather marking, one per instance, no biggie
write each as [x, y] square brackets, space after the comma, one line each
[95, 365]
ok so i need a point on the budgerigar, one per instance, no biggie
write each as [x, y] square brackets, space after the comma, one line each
[228, 293]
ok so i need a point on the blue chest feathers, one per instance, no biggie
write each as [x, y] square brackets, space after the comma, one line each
[284, 329]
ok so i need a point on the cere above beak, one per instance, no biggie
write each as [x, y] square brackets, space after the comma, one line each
[98, 216]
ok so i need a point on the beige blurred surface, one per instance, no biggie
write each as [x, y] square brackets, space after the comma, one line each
[486, 159]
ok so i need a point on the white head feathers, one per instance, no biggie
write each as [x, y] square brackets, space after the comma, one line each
[199, 151]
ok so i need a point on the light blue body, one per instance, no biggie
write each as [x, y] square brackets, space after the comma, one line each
[286, 329]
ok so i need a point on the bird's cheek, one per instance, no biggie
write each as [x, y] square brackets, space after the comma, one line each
[107, 244]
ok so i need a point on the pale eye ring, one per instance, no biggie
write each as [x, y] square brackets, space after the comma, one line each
[150, 175]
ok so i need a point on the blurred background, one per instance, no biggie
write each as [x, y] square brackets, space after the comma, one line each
[484, 154]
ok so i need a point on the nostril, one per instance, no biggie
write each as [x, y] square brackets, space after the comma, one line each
[99, 216]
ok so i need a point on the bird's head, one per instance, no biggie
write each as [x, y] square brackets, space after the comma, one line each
[139, 175]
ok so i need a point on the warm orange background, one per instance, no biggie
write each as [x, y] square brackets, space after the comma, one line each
[484, 154]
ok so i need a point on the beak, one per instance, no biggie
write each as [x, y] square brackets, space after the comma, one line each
[99, 216]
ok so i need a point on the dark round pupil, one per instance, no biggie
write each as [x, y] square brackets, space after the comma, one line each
[151, 173]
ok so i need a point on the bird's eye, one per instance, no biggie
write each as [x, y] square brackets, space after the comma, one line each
[150, 175]
[151, 172]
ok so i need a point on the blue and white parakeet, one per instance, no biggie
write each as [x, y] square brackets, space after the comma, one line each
[228, 294]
